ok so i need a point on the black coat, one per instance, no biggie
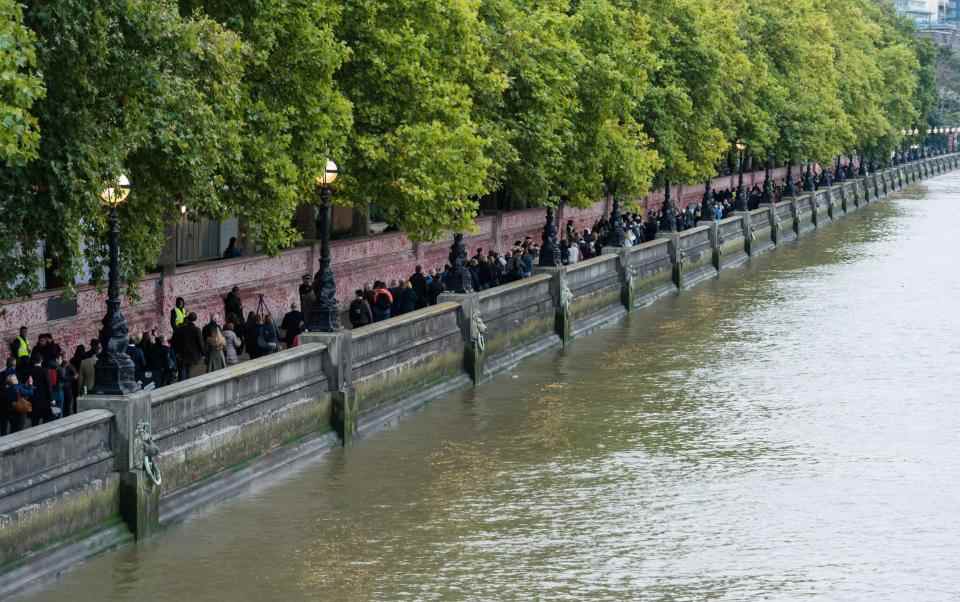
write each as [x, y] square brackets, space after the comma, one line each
[406, 301]
[42, 393]
[419, 283]
[139, 360]
[188, 344]
[292, 325]
[233, 308]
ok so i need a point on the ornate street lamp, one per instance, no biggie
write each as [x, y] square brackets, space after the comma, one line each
[324, 313]
[550, 250]
[741, 193]
[706, 203]
[669, 215]
[461, 282]
[767, 196]
[808, 182]
[789, 189]
[616, 237]
[114, 368]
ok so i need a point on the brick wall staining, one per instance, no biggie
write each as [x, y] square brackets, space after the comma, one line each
[356, 262]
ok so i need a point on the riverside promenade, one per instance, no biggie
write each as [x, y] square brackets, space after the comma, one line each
[356, 262]
[218, 432]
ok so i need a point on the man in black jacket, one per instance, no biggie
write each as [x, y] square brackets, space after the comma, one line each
[292, 325]
[42, 394]
[233, 307]
[360, 312]
[189, 347]
[419, 283]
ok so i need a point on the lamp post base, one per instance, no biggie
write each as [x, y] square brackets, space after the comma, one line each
[323, 319]
[115, 375]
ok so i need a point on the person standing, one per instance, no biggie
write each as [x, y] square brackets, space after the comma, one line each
[250, 332]
[216, 348]
[233, 306]
[210, 326]
[88, 369]
[178, 315]
[406, 299]
[232, 344]
[12, 392]
[42, 394]
[292, 325]
[268, 339]
[20, 349]
[158, 359]
[232, 251]
[188, 345]
[67, 379]
[382, 302]
[138, 358]
[360, 313]
[435, 288]
[419, 283]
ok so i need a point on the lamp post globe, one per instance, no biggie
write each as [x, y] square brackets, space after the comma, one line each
[114, 369]
[324, 313]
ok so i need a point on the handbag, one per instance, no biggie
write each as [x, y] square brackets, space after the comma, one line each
[22, 405]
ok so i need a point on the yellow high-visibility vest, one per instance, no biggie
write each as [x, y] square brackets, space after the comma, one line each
[24, 349]
[180, 316]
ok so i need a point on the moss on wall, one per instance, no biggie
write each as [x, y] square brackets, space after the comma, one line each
[234, 447]
[512, 339]
[400, 380]
[58, 519]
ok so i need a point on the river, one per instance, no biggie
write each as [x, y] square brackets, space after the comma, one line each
[788, 432]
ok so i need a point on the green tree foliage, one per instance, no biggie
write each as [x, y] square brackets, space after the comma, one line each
[293, 115]
[417, 148]
[532, 121]
[793, 42]
[231, 107]
[131, 88]
[20, 87]
[611, 151]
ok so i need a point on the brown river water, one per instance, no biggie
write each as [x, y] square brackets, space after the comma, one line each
[787, 432]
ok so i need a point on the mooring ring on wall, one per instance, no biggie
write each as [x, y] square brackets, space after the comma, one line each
[153, 471]
[479, 328]
[150, 452]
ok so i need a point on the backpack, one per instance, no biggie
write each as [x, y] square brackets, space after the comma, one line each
[383, 301]
[356, 311]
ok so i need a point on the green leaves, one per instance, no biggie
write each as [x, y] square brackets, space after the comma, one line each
[232, 107]
[20, 87]
[417, 148]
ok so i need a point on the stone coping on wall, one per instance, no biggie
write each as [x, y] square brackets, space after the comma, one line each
[729, 220]
[649, 245]
[695, 229]
[523, 283]
[414, 316]
[587, 263]
[230, 373]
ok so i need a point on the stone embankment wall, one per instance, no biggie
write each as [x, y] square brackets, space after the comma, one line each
[75, 487]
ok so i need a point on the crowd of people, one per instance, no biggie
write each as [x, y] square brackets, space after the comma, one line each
[379, 301]
[42, 384]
